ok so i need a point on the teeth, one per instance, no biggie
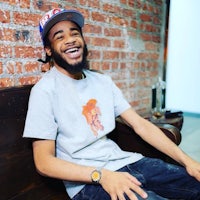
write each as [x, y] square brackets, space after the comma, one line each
[71, 50]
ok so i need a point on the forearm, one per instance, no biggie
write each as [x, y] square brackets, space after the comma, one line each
[48, 165]
[154, 136]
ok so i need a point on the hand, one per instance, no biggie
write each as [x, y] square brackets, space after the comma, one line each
[116, 184]
[193, 168]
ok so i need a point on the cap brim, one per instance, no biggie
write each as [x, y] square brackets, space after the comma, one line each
[66, 15]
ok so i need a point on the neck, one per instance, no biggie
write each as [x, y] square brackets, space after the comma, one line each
[79, 76]
[76, 76]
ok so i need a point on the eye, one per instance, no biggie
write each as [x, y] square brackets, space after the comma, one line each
[59, 37]
[75, 33]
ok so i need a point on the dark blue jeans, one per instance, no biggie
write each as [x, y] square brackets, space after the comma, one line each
[159, 179]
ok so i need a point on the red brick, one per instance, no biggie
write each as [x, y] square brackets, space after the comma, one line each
[6, 82]
[32, 67]
[94, 54]
[94, 29]
[123, 2]
[24, 3]
[111, 8]
[13, 67]
[90, 3]
[45, 67]
[143, 56]
[10, 67]
[149, 28]
[131, 3]
[119, 21]
[146, 17]
[28, 52]
[5, 51]
[29, 80]
[114, 65]
[134, 23]
[146, 37]
[154, 56]
[112, 32]
[156, 39]
[5, 16]
[129, 13]
[95, 65]
[99, 17]
[111, 55]
[45, 5]
[158, 2]
[157, 20]
[23, 18]
[18, 67]
[101, 42]
[119, 44]
[151, 46]
[132, 33]
[123, 65]
[10, 2]
[1, 67]
[7, 34]
[106, 65]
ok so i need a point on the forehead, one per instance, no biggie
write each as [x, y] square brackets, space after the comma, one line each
[64, 26]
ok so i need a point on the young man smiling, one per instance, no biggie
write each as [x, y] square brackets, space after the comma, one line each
[77, 109]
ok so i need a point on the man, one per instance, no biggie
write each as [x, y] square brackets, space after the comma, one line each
[72, 109]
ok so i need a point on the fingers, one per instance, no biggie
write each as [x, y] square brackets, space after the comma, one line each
[129, 193]
[136, 187]
[133, 179]
[194, 170]
[121, 196]
[121, 184]
[137, 190]
[130, 190]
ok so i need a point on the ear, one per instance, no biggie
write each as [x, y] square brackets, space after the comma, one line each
[48, 51]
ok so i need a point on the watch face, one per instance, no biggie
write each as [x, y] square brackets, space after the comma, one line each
[96, 176]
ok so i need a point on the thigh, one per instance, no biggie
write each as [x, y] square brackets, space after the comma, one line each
[167, 180]
[151, 196]
[92, 192]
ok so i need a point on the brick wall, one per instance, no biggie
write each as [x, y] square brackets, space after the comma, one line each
[124, 37]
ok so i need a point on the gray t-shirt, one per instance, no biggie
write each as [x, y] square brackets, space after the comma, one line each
[78, 114]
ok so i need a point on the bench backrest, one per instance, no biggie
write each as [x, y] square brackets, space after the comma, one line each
[18, 177]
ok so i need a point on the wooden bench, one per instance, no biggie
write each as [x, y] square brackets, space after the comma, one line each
[18, 177]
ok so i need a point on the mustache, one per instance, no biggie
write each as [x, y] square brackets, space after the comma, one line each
[71, 68]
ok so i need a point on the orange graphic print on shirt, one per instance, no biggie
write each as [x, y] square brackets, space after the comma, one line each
[92, 113]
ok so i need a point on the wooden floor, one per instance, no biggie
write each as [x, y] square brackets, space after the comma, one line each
[191, 135]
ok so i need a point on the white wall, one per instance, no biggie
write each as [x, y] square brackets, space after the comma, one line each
[183, 62]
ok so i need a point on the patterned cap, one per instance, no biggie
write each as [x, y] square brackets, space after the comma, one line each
[56, 15]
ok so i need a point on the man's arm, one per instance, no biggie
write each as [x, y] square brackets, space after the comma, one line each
[154, 136]
[116, 184]
[47, 164]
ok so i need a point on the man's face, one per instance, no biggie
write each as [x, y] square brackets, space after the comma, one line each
[68, 49]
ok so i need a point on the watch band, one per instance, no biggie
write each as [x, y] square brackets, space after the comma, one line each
[96, 176]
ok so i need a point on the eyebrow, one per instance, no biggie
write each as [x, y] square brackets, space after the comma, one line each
[61, 31]
[71, 29]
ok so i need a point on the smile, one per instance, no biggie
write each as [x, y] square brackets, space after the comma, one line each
[73, 52]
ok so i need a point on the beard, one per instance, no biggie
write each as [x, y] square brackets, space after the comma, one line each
[71, 68]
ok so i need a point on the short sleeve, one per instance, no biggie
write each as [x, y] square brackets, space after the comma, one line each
[40, 122]
[120, 103]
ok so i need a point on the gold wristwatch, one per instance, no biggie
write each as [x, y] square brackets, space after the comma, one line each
[96, 176]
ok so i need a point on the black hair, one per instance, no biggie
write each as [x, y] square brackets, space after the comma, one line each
[46, 43]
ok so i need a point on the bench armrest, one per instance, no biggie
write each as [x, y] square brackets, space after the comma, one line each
[128, 140]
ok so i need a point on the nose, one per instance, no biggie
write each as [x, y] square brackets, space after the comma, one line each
[69, 40]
